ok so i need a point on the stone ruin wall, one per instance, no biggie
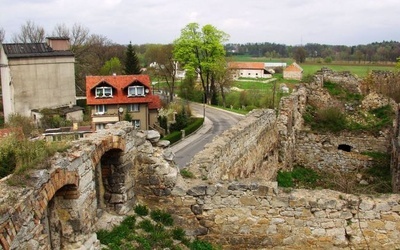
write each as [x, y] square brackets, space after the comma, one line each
[344, 78]
[320, 151]
[96, 175]
[251, 213]
[245, 215]
[237, 154]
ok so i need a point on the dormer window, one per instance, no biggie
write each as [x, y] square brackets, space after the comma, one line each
[136, 91]
[103, 92]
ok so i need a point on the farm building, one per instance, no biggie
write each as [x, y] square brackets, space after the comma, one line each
[293, 72]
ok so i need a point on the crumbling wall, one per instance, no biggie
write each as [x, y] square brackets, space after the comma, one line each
[259, 215]
[247, 150]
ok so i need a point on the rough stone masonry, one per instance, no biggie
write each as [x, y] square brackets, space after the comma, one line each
[235, 203]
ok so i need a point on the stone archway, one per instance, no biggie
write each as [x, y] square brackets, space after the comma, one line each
[114, 184]
[60, 216]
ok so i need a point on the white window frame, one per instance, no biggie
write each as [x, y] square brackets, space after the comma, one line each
[100, 109]
[104, 92]
[136, 91]
[136, 123]
[134, 107]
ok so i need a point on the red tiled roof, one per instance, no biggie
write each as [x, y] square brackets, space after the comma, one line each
[156, 103]
[246, 65]
[120, 83]
[294, 67]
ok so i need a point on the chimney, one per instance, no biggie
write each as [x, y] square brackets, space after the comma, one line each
[59, 43]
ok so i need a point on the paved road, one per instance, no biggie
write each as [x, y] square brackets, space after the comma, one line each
[216, 122]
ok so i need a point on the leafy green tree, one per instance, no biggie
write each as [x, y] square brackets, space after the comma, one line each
[200, 52]
[300, 54]
[111, 66]
[132, 65]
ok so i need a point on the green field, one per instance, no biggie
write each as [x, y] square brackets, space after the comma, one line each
[361, 70]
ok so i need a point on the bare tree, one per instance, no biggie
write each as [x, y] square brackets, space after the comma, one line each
[2, 34]
[61, 30]
[164, 66]
[30, 33]
[79, 35]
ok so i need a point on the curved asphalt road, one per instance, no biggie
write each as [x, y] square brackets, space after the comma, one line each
[216, 122]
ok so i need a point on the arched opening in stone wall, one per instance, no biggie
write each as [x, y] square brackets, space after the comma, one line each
[114, 186]
[58, 217]
[345, 147]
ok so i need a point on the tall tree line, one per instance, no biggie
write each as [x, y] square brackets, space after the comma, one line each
[386, 51]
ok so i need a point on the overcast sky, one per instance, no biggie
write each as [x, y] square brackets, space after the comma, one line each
[291, 22]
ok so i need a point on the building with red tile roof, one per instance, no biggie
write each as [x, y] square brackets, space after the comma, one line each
[248, 69]
[293, 72]
[113, 98]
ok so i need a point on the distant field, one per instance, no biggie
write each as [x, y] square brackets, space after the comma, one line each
[361, 70]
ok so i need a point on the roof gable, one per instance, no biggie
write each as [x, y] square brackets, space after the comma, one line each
[294, 67]
[117, 81]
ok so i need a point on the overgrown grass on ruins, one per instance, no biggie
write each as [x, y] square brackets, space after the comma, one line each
[333, 119]
[18, 155]
[336, 118]
[154, 231]
[372, 180]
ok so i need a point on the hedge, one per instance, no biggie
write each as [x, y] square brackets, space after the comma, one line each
[192, 127]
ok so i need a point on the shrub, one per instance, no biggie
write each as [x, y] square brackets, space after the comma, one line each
[146, 225]
[181, 121]
[141, 210]
[19, 121]
[285, 179]
[173, 137]
[200, 245]
[163, 121]
[304, 176]
[129, 222]
[330, 119]
[195, 123]
[162, 217]
[187, 174]
[178, 233]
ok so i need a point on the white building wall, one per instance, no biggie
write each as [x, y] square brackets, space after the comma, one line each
[41, 83]
[252, 73]
[6, 87]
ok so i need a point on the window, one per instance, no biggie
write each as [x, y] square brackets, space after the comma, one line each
[102, 92]
[101, 109]
[136, 91]
[134, 107]
[136, 123]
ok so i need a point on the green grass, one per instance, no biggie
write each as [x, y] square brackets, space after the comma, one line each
[152, 232]
[298, 177]
[187, 174]
[359, 70]
[310, 67]
[141, 210]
